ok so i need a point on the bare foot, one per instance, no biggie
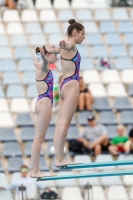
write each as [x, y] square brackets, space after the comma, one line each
[63, 162]
[37, 174]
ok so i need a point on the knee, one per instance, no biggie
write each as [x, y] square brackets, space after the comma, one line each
[82, 95]
[87, 95]
[64, 125]
[105, 138]
[111, 148]
[39, 138]
[98, 147]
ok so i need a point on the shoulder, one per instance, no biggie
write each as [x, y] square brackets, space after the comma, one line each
[101, 126]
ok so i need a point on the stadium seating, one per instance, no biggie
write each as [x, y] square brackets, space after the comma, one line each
[112, 132]
[97, 193]
[7, 65]
[108, 118]
[24, 119]
[92, 181]
[101, 104]
[7, 135]
[14, 164]
[11, 149]
[1, 168]
[27, 133]
[110, 181]
[109, 33]
[117, 192]
[122, 104]
[66, 183]
[105, 158]
[72, 193]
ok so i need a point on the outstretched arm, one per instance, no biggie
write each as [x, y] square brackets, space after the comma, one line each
[52, 49]
[44, 65]
[66, 45]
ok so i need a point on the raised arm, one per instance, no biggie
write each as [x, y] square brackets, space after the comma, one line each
[66, 45]
[44, 65]
[52, 49]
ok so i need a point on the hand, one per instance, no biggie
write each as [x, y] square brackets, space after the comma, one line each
[62, 44]
[42, 53]
[36, 64]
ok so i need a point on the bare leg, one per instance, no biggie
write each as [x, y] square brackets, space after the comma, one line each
[113, 149]
[70, 95]
[97, 150]
[101, 140]
[43, 111]
[88, 101]
[81, 103]
[57, 126]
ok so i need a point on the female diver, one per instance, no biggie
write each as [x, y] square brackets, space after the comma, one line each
[43, 106]
[70, 61]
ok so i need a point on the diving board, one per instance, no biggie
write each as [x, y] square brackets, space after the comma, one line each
[88, 175]
[97, 164]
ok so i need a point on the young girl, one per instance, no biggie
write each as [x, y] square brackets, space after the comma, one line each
[43, 106]
[70, 61]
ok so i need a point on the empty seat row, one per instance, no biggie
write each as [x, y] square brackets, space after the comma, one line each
[28, 78]
[108, 76]
[23, 119]
[121, 103]
[97, 51]
[23, 65]
[86, 63]
[106, 118]
[99, 15]
[110, 39]
[14, 164]
[89, 76]
[113, 90]
[17, 91]
[53, 27]
[28, 133]
[36, 30]
[20, 40]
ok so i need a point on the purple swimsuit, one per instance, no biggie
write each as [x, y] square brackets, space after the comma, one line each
[49, 93]
[76, 59]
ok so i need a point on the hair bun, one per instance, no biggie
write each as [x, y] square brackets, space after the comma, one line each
[37, 50]
[71, 21]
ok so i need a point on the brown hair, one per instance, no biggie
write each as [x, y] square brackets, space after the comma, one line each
[23, 166]
[37, 50]
[74, 25]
